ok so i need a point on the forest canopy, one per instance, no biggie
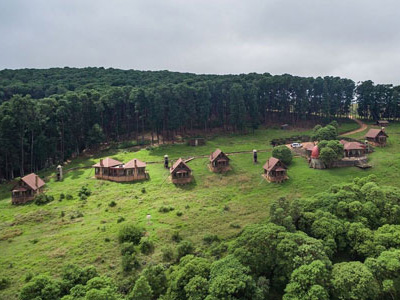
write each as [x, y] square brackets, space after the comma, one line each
[49, 115]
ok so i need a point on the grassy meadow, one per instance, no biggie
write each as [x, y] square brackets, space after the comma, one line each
[41, 239]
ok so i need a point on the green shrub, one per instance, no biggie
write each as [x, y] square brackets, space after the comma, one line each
[84, 192]
[167, 254]
[28, 277]
[179, 213]
[42, 199]
[62, 196]
[210, 238]
[129, 262]
[130, 233]
[283, 153]
[41, 287]
[176, 237]
[146, 246]
[4, 282]
[143, 190]
[69, 197]
[127, 248]
[120, 219]
[112, 204]
[184, 248]
[165, 209]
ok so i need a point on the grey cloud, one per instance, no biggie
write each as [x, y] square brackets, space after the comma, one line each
[354, 38]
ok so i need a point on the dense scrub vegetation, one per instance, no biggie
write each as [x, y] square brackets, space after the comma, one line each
[340, 244]
[46, 116]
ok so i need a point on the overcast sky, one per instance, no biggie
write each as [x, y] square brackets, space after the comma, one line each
[358, 39]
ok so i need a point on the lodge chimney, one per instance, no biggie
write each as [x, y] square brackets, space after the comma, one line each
[36, 181]
[135, 162]
[101, 162]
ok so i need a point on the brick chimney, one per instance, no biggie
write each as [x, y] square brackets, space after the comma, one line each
[101, 162]
[135, 161]
[36, 180]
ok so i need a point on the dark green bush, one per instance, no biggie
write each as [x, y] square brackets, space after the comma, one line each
[176, 237]
[127, 248]
[184, 248]
[165, 209]
[129, 262]
[112, 204]
[120, 219]
[42, 199]
[130, 233]
[84, 192]
[210, 238]
[167, 254]
[146, 246]
[41, 287]
[4, 282]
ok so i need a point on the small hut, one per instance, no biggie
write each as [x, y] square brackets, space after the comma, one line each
[377, 137]
[180, 172]
[197, 142]
[275, 170]
[219, 161]
[382, 123]
[27, 188]
[353, 149]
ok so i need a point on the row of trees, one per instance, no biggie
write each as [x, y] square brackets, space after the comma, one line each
[46, 116]
[340, 244]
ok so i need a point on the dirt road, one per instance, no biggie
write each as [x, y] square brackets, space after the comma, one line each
[363, 127]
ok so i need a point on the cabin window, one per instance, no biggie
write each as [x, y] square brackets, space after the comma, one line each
[97, 171]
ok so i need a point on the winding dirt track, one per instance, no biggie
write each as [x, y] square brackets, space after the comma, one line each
[363, 127]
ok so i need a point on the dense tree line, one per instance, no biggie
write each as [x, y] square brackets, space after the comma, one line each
[340, 244]
[46, 116]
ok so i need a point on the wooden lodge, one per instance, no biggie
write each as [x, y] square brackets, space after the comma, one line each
[180, 172]
[382, 123]
[275, 170]
[219, 161]
[353, 149]
[377, 137]
[27, 188]
[114, 170]
[197, 142]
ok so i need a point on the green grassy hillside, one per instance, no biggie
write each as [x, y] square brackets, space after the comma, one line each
[41, 239]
